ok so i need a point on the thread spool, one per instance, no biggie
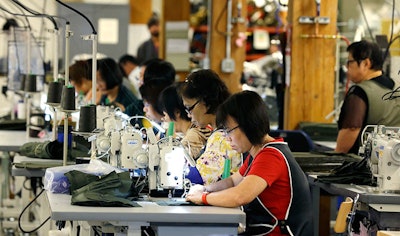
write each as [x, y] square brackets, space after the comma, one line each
[171, 131]
[87, 118]
[54, 93]
[68, 99]
[30, 84]
[22, 79]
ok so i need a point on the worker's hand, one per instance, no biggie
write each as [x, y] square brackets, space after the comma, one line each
[197, 188]
[195, 198]
[195, 193]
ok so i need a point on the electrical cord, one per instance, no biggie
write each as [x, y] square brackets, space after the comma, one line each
[36, 13]
[219, 20]
[20, 217]
[72, 9]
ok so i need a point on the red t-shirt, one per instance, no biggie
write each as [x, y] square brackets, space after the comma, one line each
[270, 165]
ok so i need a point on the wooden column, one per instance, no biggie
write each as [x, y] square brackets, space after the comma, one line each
[218, 42]
[140, 11]
[311, 49]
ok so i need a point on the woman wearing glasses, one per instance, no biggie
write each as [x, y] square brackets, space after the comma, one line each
[202, 93]
[271, 186]
[372, 99]
[192, 137]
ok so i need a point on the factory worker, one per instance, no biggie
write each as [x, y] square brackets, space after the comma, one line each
[371, 101]
[202, 92]
[270, 186]
[110, 85]
[192, 137]
[80, 76]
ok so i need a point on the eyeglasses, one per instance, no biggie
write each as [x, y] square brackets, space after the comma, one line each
[189, 109]
[349, 61]
[228, 131]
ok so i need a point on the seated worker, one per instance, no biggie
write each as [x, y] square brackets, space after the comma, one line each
[150, 92]
[130, 69]
[154, 69]
[271, 186]
[80, 76]
[143, 67]
[370, 100]
[192, 137]
[202, 93]
[109, 83]
[159, 69]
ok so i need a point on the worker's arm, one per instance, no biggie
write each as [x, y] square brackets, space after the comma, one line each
[247, 190]
[346, 139]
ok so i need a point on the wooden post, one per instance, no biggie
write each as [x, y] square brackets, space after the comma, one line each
[140, 11]
[218, 42]
[311, 49]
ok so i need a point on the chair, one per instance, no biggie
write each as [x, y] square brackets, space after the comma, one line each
[298, 140]
[345, 215]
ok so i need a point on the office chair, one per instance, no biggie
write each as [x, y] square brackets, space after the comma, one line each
[298, 140]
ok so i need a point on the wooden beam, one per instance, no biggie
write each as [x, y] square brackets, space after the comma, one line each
[311, 50]
[218, 42]
[141, 11]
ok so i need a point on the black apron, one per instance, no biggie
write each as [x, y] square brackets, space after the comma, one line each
[298, 220]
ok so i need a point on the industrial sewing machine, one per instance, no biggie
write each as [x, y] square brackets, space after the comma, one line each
[382, 147]
[129, 147]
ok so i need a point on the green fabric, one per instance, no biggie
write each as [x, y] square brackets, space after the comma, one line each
[109, 190]
[38, 165]
[45, 150]
[78, 179]
[100, 199]
[50, 150]
[320, 131]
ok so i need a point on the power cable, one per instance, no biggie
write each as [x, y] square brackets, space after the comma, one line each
[20, 217]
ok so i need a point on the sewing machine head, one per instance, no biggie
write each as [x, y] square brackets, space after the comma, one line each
[383, 144]
[126, 147]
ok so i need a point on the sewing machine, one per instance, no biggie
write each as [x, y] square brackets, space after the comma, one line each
[129, 147]
[382, 147]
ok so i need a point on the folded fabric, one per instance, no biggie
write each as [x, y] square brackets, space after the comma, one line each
[101, 199]
[350, 173]
[109, 190]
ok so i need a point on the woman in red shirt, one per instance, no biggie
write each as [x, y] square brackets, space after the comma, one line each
[270, 186]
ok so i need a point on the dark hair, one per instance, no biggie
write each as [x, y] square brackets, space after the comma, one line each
[206, 85]
[110, 72]
[125, 59]
[159, 69]
[79, 70]
[170, 101]
[149, 61]
[363, 49]
[151, 90]
[248, 109]
[128, 58]
[154, 20]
